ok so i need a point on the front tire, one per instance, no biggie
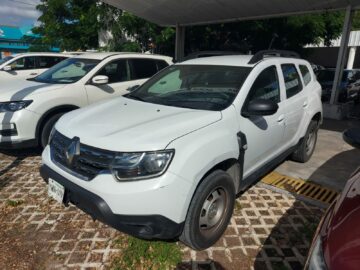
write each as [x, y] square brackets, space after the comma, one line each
[46, 129]
[210, 211]
[307, 146]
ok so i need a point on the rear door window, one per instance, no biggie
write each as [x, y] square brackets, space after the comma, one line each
[161, 64]
[292, 80]
[143, 68]
[49, 61]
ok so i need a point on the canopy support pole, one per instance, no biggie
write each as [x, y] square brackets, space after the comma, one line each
[180, 43]
[342, 55]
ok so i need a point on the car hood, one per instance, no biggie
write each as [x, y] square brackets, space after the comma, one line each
[22, 89]
[341, 229]
[127, 125]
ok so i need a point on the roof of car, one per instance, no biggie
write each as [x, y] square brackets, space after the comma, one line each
[103, 55]
[230, 60]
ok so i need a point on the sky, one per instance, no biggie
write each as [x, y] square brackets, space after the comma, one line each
[18, 12]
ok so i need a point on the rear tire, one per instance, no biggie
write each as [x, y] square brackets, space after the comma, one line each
[305, 150]
[46, 129]
[210, 211]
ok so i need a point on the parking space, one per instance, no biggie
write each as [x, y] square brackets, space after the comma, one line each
[333, 160]
[268, 230]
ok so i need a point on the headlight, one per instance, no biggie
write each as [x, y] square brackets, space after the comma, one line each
[137, 166]
[316, 258]
[13, 106]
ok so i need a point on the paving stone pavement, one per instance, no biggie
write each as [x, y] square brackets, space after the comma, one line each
[268, 230]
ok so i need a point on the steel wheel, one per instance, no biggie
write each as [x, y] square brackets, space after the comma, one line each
[212, 211]
[310, 142]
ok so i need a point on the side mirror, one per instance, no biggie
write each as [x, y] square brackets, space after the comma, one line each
[100, 80]
[260, 107]
[7, 68]
[352, 137]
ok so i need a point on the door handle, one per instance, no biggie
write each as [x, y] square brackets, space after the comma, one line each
[305, 104]
[33, 74]
[281, 118]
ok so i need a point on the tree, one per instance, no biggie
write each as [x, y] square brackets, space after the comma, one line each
[292, 33]
[135, 34]
[75, 24]
[69, 24]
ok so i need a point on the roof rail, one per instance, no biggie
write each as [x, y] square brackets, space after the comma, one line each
[201, 54]
[272, 53]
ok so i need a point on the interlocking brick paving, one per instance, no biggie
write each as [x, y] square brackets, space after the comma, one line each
[267, 231]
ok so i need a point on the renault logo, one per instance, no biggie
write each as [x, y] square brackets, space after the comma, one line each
[72, 151]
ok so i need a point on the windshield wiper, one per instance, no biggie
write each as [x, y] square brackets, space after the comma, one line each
[134, 97]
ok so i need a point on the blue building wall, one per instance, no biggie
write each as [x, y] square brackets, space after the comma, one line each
[11, 40]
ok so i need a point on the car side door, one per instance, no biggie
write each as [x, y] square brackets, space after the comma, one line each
[264, 134]
[296, 102]
[124, 75]
[118, 74]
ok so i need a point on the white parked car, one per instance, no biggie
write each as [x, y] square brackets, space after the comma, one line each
[28, 65]
[168, 159]
[29, 108]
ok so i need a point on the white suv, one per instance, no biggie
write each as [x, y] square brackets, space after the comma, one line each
[28, 65]
[168, 159]
[30, 108]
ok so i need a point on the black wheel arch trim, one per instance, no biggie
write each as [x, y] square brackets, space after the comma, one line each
[53, 111]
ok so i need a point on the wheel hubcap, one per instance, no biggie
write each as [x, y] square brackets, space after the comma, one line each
[213, 209]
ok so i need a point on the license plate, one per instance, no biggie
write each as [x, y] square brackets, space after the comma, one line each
[56, 191]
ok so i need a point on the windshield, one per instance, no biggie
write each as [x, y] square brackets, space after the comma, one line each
[202, 87]
[68, 71]
[5, 59]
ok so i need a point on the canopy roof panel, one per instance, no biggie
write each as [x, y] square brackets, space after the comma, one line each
[191, 12]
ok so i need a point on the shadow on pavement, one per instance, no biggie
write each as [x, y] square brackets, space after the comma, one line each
[338, 169]
[288, 243]
[17, 156]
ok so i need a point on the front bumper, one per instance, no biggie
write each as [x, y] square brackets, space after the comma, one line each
[18, 129]
[145, 226]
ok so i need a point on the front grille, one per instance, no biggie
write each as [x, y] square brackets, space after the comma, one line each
[91, 161]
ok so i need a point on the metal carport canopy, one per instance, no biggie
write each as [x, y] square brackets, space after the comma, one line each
[192, 12]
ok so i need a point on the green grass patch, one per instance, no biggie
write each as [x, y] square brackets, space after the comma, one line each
[141, 254]
[13, 203]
